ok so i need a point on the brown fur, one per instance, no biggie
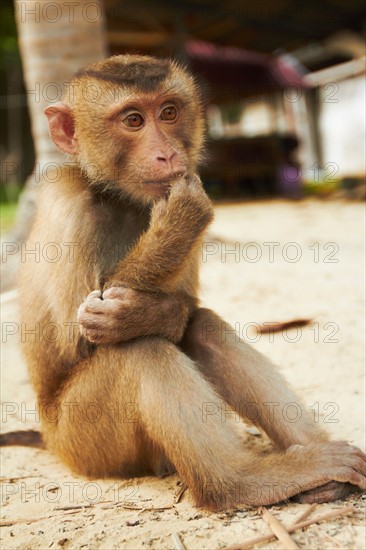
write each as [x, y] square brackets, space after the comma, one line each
[139, 388]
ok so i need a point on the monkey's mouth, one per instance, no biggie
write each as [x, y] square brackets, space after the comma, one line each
[168, 180]
[165, 181]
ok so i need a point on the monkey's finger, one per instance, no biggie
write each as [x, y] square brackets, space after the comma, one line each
[347, 476]
[93, 299]
[361, 458]
[355, 452]
[109, 307]
[359, 452]
[94, 294]
[159, 208]
[102, 333]
[355, 458]
[195, 187]
[93, 335]
[95, 321]
[98, 306]
[179, 186]
[362, 484]
[97, 336]
[115, 292]
[195, 180]
[91, 314]
[360, 464]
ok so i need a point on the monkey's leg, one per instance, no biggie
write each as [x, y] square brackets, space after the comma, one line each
[129, 403]
[166, 394]
[251, 385]
[248, 381]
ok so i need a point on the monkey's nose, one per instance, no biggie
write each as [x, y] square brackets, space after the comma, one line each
[167, 157]
[168, 161]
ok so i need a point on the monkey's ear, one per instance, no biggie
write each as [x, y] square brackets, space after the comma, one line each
[62, 127]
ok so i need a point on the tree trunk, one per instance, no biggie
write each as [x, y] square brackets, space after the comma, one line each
[55, 40]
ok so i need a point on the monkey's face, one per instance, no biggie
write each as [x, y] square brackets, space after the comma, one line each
[148, 145]
[135, 125]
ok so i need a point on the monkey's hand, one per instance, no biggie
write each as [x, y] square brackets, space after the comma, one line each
[123, 314]
[187, 210]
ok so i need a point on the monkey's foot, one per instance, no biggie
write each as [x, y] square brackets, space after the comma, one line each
[329, 492]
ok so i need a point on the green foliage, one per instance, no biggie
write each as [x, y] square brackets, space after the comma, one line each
[9, 193]
[320, 187]
[231, 113]
[7, 215]
[9, 52]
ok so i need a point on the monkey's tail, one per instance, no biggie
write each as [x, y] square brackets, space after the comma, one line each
[24, 438]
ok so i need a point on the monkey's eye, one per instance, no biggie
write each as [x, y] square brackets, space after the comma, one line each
[170, 113]
[134, 120]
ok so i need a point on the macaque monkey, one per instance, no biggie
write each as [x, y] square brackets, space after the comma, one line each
[149, 382]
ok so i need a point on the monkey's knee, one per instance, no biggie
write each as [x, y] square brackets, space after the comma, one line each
[203, 330]
[97, 438]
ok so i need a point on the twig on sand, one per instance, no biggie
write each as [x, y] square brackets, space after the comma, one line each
[278, 529]
[309, 510]
[11, 522]
[346, 511]
[180, 493]
[178, 542]
[270, 328]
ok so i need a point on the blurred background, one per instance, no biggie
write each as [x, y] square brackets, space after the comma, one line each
[283, 83]
[284, 86]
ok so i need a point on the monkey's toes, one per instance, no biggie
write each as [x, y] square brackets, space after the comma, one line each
[329, 492]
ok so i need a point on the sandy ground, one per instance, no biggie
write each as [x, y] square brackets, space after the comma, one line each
[44, 506]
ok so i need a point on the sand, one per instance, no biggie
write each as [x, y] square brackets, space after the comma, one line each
[290, 260]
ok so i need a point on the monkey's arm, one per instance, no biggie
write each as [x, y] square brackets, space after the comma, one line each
[153, 290]
[157, 260]
[124, 314]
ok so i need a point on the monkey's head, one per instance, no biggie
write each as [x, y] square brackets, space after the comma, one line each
[131, 122]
